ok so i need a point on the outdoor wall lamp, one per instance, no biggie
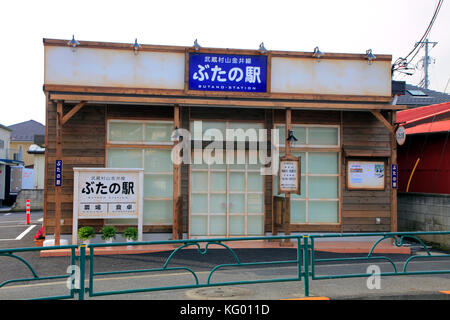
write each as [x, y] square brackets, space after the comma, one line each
[370, 56]
[317, 53]
[262, 49]
[291, 138]
[136, 46]
[196, 45]
[73, 43]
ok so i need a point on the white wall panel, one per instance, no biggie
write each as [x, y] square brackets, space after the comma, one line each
[113, 68]
[330, 76]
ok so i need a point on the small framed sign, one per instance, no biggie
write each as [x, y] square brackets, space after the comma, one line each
[365, 175]
[108, 193]
[289, 175]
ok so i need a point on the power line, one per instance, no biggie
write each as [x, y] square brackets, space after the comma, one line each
[402, 63]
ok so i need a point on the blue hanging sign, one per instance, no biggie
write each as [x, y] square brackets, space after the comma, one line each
[58, 173]
[227, 72]
[394, 176]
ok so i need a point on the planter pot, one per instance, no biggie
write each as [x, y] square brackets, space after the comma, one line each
[129, 240]
[87, 241]
[110, 240]
[39, 242]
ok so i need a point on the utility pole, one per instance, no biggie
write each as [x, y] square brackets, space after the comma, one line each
[426, 60]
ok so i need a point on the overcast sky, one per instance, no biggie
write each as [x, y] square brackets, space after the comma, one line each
[385, 26]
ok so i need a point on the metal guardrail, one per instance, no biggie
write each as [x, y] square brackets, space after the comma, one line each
[305, 262]
[11, 253]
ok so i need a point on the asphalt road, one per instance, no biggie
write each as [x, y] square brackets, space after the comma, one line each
[13, 234]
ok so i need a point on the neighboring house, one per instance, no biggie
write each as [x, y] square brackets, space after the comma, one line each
[424, 158]
[22, 137]
[5, 137]
[418, 97]
[6, 163]
[39, 165]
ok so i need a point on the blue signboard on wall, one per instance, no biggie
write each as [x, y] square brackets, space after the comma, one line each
[394, 176]
[58, 173]
[227, 72]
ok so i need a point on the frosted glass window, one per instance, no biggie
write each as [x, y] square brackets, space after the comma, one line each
[298, 211]
[237, 181]
[237, 225]
[124, 158]
[211, 134]
[255, 225]
[255, 182]
[158, 132]
[237, 203]
[125, 131]
[218, 203]
[299, 133]
[218, 181]
[159, 186]
[199, 203]
[157, 160]
[323, 211]
[199, 181]
[302, 189]
[248, 132]
[158, 212]
[323, 162]
[323, 187]
[255, 203]
[199, 226]
[323, 136]
[218, 225]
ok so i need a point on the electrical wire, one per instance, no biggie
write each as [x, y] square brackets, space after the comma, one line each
[402, 63]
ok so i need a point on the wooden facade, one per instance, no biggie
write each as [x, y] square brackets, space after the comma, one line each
[76, 132]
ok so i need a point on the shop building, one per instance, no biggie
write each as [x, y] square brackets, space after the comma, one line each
[114, 105]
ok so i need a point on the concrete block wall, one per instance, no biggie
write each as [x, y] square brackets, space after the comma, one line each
[36, 197]
[425, 212]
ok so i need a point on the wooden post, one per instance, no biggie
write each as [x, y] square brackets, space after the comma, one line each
[287, 215]
[394, 225]
[177, 221]
[59, 114]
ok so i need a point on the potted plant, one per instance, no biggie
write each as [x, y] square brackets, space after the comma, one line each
[39, 237]
[130, 234]
[86, 233]
[108, 233]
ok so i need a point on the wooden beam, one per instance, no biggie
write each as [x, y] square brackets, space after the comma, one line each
[383, 120]
[72, 112]
[229, 102]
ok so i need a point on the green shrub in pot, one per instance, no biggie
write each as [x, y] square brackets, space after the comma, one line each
[130, 233]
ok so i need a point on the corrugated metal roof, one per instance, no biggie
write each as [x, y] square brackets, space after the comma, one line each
[415, 114]
[439, 126]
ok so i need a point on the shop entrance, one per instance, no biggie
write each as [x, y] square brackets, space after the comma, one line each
[226, 200]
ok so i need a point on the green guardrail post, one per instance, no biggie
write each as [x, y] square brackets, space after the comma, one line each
[82, 271]
[306, 264]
